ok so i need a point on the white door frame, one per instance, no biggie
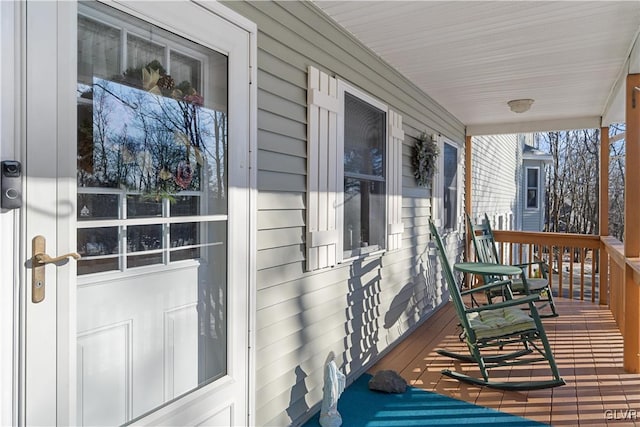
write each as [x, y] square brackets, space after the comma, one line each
[10, 136]
[15, 244]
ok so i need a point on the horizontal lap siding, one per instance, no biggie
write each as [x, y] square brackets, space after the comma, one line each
[494, 180]
[357, 310]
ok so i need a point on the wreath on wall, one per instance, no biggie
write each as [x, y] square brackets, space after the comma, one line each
[425, 155]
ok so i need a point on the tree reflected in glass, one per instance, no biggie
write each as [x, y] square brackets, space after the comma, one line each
[147, 134]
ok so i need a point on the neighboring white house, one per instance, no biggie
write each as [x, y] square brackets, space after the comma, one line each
[532, 203]
[508, 182]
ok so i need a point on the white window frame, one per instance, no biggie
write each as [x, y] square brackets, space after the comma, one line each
[527, 187]
[344, 87]
[438, 186]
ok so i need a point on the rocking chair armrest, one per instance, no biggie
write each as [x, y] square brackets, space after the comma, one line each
[503, 304]
[484, 288]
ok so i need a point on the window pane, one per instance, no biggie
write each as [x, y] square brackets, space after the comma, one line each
[532, 178]
[364, 137]
[450, 201]
[142, 238]
[97, 206]
[182, 235]
[99, 250]
[185, 69]
[185, 205]
[364, 216]
[143, 206]
[141, 52]
[98, 50]
[532, 198]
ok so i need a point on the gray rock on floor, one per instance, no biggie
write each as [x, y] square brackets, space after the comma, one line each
[388, 382]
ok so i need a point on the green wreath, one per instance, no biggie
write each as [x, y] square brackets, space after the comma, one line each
[425, 155]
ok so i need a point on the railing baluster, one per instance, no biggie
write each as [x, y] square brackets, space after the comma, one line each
[593, 274]
[613, 285]
[560, 260]
[549, 250]
[571, 257]
[582, 257]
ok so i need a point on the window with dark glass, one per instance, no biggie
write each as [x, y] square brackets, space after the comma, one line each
[532, 188]
[364, 177]
[450, 193]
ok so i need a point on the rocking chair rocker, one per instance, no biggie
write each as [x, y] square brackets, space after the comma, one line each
[485, 248]
[489, 329]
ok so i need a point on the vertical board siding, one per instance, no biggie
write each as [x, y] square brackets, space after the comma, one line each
[322, 185]
[494, 176]
[395, 228]
[359, 309]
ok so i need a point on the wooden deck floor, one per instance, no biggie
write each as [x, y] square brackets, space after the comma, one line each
[588, 349]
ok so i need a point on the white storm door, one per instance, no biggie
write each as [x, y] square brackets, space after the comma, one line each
[137, 158]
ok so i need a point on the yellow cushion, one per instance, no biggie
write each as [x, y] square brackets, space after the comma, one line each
[535, 284]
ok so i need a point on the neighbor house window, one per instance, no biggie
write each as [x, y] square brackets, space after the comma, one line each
[450, 189]
[532, 187]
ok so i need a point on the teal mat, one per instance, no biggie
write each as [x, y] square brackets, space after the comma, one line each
[361, 407]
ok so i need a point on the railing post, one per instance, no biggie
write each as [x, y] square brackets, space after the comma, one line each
[603, 216]
[631, 360]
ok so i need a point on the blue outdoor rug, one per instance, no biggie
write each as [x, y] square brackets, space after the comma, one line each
[361, 407]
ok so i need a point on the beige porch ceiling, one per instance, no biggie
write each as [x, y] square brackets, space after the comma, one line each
[474, 56]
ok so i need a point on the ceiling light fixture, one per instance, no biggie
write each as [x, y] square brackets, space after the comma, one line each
[520, 105]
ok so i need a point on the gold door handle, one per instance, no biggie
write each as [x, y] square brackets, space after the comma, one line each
[41, 258]
[38, 262]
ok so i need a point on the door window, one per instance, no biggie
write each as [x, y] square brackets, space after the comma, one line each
[152, 215]
[152, 145]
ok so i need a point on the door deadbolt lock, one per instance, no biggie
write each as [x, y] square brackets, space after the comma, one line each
[39, 260]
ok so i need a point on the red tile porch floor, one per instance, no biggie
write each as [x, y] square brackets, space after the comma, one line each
[588, 348]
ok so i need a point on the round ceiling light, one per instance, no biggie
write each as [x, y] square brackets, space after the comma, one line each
[520, 105]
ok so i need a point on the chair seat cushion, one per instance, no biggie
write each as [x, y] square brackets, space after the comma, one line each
[535, 285]
[500, 322]
[517, 286]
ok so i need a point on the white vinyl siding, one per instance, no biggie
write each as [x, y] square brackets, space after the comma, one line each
[495, 172]
[359, 309]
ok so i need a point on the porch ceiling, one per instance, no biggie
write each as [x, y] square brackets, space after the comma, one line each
[474, 56]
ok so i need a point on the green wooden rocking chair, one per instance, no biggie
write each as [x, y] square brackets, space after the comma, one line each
[485, 248]
[499, 334]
